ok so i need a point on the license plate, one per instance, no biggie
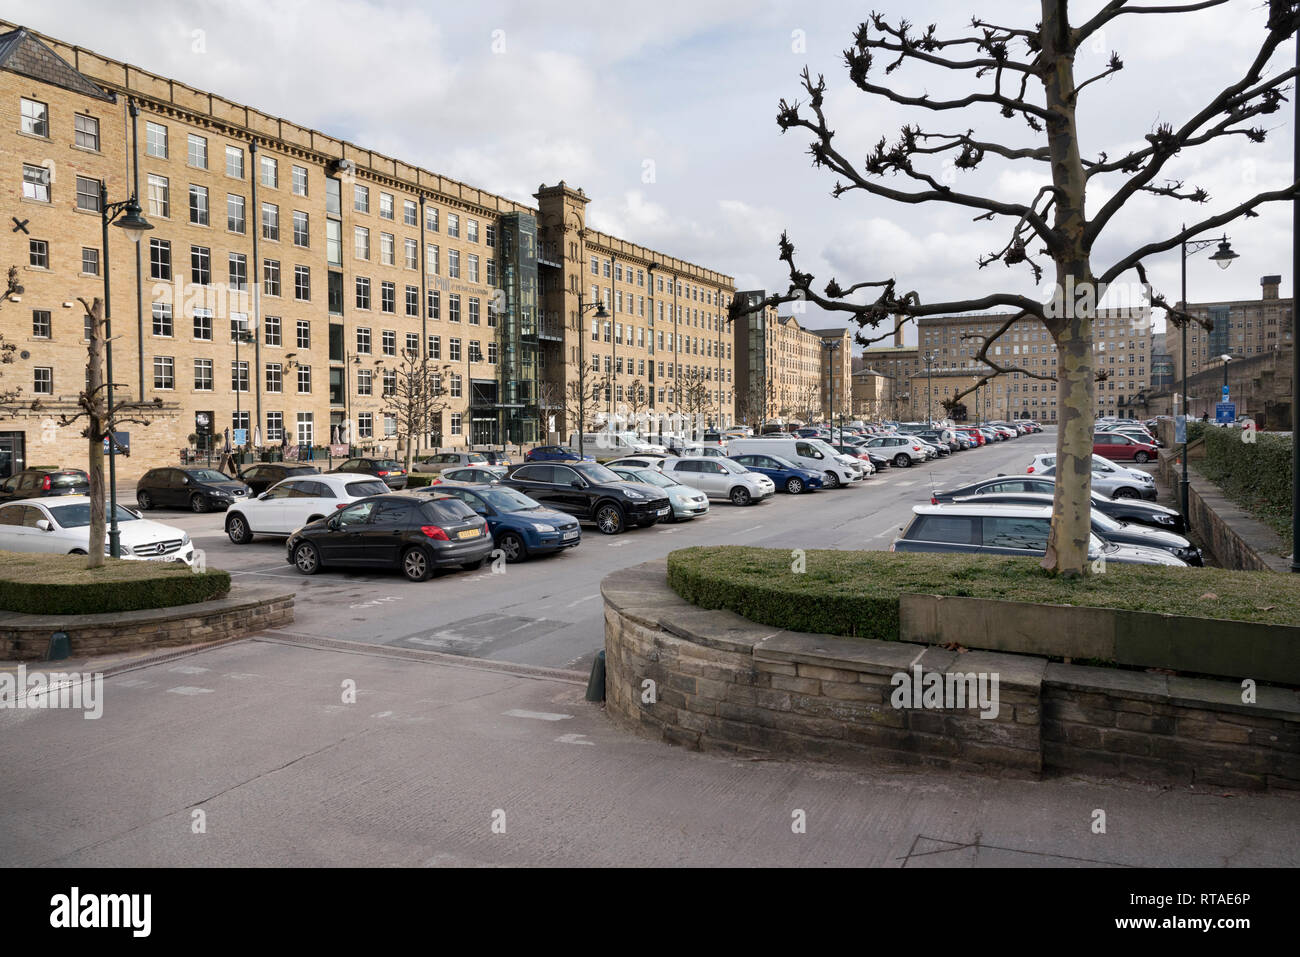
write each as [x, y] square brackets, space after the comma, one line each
[662, 511]
[571, 534]
[468, 533]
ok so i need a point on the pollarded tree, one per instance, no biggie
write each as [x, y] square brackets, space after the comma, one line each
[11, 400]
[1028, 75]
[414, 395]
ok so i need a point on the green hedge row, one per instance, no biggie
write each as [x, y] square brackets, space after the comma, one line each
[100, 597]
[418, 479]
[1257, 475]
[856, 594]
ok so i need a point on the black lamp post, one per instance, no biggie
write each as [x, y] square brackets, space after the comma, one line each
[601, 313]
[126, 216]
[929, 388]
[1223, 256]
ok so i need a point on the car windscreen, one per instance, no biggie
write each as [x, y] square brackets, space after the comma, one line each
[508, 500]
[1105, 522]
[782, 463]
[477, 458]
[78, 516]
[361, 489]
[67, 479]
[208, 475]
[595, 473]
[653, 477]
[446, 511]
[387, 464]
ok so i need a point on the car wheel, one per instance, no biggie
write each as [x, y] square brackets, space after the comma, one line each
[901, 460]
[144, 500]
[238, 530]
[794, 486]
[197, 504]
[306, 558]
[1126, 492]
[832, 480]
[1141, 458]
[740, 496]
[609, 519]
[512, 546]
[415, 564]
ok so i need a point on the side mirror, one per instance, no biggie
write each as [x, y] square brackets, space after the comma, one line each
[578, 483]
[185, 480]
[44, 525]
[332, 523]
[262, 497]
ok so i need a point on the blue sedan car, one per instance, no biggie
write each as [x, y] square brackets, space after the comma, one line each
[520, 526]
[556, 453]
[784, 474]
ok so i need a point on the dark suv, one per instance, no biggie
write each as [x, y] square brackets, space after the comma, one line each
[39, 483]
[590, 493]
[263, 475]
[391, 471]
[196, 489]
[414, 532]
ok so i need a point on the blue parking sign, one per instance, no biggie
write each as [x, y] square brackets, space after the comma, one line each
[1225, 413]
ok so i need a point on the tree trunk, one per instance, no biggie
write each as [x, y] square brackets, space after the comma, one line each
[95, 435]
[1067, 546]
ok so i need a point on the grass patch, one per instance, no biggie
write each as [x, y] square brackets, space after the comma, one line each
[62, 585]
[856, 594]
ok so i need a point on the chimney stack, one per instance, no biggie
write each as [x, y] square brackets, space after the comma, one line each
[898, 332]
[1270, 285]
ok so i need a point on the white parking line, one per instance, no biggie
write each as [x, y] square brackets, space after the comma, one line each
[581, 600]
[573, 739]
[906, 483]
[536, 715]
[188, 689]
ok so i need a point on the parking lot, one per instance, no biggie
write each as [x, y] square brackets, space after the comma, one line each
[547, 612]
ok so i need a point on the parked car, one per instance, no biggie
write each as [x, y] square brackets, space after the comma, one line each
[295, 502]
[469, 475]
[498, 459]
[1104, 526]
[638, 461]
[196, 489]
[904, 451]
[390, 470]
[520, 526]
[61, 526]
[1124, 509]
[556, 453]
[857, 458]
[263, 475]
[721, 479]
[981, 529]
[416, 532]
[591, 493]
[784, 474]
[1117, 448]
[1119, 481]
[686, 501]
[44, 482]
[441, 461]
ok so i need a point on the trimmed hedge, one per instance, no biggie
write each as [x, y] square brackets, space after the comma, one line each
[62, 585]
[1255, 475]
[419, 479]
[856, 594]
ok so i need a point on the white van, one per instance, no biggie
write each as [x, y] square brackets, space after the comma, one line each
[604, 446]
[805, 453]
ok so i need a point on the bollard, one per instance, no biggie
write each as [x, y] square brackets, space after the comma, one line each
[60, 647]
[596, 684]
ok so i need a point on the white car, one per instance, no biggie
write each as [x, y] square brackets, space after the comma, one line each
[61, 526]
[297, 501]
[1121, 482]
[721, 478]
[638, 462]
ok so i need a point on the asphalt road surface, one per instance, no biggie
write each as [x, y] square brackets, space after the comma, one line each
[547, 612]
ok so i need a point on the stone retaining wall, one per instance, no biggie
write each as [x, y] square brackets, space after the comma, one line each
[713, 681]
[245, 611]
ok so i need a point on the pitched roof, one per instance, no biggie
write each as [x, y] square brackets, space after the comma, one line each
[23, 53]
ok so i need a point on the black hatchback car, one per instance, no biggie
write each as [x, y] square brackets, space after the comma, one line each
[40, 483]
[389, 470]
[263, 475]
[414, 532]
[590, 493]
[1132, 510]
[196, 489]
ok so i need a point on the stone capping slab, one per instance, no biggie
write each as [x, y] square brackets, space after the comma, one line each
[996, 624]
[249, 596]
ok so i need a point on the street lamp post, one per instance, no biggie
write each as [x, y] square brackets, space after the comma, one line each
[600, 313]
[1223, 256]
[929, 388]
[1227, 393]
[126, 216]
[241, 335]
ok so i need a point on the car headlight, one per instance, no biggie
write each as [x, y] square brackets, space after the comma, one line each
[543, 528]
[633, 494]
[185, 539]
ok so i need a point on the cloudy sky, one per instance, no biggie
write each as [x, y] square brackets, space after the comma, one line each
[665, 114]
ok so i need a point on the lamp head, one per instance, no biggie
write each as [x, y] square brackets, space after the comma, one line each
[601, 311]
[132, 223]
[1223, 255]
